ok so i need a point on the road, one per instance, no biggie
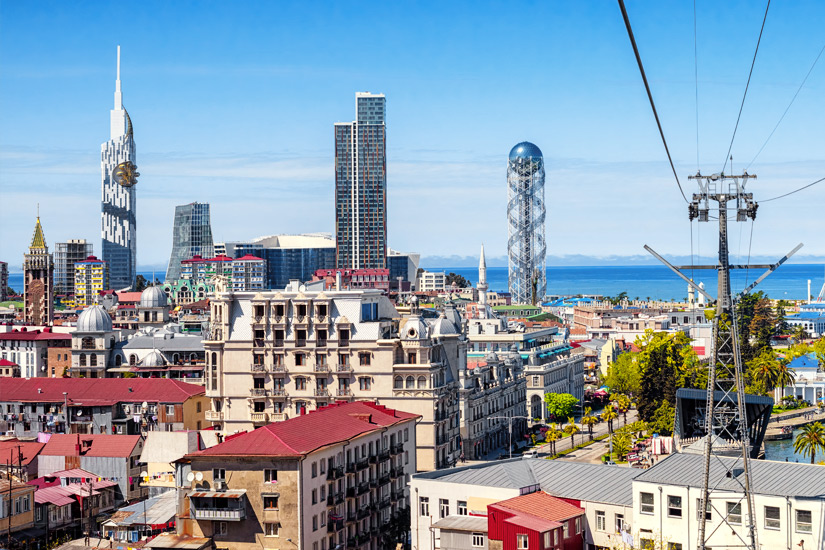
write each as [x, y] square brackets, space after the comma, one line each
[599, 429]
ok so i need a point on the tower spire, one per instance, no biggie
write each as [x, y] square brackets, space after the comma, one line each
[118, 94]
[482, 278]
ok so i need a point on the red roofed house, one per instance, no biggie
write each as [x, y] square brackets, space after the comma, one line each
[354, 278]
[29, 347]
[113, 458]
[334, 476]
[20, 457]
[535, 521]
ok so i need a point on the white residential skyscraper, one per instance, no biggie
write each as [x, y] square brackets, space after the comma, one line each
[118, 208]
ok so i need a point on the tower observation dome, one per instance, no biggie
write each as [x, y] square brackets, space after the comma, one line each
[526, 241]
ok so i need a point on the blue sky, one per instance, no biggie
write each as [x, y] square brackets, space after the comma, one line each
[233, 103]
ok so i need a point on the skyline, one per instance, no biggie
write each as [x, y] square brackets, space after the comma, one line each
[207, 123]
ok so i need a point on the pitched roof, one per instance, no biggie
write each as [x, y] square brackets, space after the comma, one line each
[107, 445]
[560, 478]
[30, 335]
[97, 391]
[38, 240]
[53, 495]
[304, 434]
[542, 506]
[6, 363]
[28, 449]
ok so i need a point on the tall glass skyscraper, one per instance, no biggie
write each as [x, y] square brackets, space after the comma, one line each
[361, 186]
[526, 242]
[191, 235]
[118, 209]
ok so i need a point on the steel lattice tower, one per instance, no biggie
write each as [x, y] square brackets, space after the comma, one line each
[526, 243]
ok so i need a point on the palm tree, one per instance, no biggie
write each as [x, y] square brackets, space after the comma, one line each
[588, 419]
[622, 403]
[609, 415]
[571, 429]
[810, 440]
[552, 435]
[622, 442]
[784, 375]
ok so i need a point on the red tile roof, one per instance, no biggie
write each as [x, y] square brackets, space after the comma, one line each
[540, 505]
[248, 257]
[30, 335]
[106, 445]
[304, 434]
[7, 363]
[128, 297]
[97, 391]
[29, 450]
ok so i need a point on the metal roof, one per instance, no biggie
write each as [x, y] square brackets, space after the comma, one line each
[768, 477]
[153, 511]
[564, 479]
[462, 523]
[234, 494]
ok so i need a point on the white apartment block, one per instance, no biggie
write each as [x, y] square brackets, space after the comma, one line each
[429, 281]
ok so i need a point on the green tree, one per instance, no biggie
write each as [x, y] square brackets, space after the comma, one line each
[782, 326]
[622, 441]
[609, 415]
[622, 403]
[766, 373]
[662, 360]
[456, 279]
[818, 348]
[624, 376]
[560, 405]
[618, 299]
[763, 325]
[571, 429]
[552, 435]
[810, 440]
[140, 283]
[588, 419]
[799, 333]
[745, 313]
[664, 419]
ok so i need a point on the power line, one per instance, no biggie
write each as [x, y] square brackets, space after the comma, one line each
[649, 95]
[794, 191]
[742, 105]
[788, 107]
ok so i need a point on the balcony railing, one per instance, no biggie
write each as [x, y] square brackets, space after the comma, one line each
[321, 368]
[279, 342]
[321, 392]
[258, 392]
[255, 367]
[277, 417]
[343, 368]
[343, 392]
[259, 417]
[335, 473]
[220, 514]
[279, 392]
[213, 416]
[278, 369]
[398, 448]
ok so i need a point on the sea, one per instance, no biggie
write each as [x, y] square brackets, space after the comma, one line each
[789, 282]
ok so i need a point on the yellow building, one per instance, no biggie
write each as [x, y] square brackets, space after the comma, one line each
[91, 277]
[17, 503]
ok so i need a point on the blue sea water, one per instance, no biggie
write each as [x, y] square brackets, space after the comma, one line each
[656, 282]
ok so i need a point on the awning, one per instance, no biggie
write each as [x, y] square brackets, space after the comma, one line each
[236, 494]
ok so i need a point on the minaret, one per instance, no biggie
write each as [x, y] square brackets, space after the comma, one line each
[118, 212]
[482, 279]
[38, 281]
[691, 299]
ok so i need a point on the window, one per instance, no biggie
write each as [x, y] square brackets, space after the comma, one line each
[478, 540]
[734, 513]
[674, 546]
[398, 383]
[443, 507]
[410, 383]
[315, 496]
[646, 502]
[423, 506]
[314, 469]
[315, 523]
[707, 509]
[218, 474]
[803, 521]
[271, 529]
[270, 503]
[221, 528]
[364, 383]
[566, 526]
[674, 506]
[619, 522]
[521, 542]
[646, 539]
[300, 383]
[772, 517]
[270, 476]
[578, 525]
[364, 359]
[462, 507]
[600, 521]
[548, 539]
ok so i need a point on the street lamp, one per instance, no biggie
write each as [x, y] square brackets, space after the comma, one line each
[510, 427]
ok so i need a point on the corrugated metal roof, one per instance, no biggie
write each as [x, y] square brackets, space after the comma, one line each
[564, 479]
[768, 477]
[158, 510]
[53, 495]
[91, 445]
[462, 523]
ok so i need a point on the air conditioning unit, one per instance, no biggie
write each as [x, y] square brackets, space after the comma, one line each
[220, 486]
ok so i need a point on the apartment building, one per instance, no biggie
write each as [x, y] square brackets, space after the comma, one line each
[16, 508]
[332, 478]
[429, 281]
[91, 277]
[279, 354]
[29, 349]
[98, 406]
[66, 255]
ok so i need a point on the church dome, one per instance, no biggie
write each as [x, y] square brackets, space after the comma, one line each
[443, 326]
[154, 359]
[414, 329]
[94, 319]
[154, 296]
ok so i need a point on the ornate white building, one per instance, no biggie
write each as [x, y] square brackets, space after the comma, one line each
[118, 206]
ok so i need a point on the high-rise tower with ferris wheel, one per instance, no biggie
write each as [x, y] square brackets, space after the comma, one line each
[526, 241]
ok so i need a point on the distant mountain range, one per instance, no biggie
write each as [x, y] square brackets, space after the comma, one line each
[611, 260]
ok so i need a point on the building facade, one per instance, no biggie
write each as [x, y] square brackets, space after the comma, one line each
[31, 349]
[404, 266]
[38, 281]
[301, 483]
[429, 281]
[91, 277]
[118, 216]
[526, 241]
[4, 280]
[66, 255]
[16, 507]
[361, 186]
[191, 236]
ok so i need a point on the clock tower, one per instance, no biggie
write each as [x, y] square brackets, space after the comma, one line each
[38, 281]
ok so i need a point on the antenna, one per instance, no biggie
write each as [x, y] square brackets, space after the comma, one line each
[727, 428]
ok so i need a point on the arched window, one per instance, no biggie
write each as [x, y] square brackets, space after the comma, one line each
[93, 360]
[193, 357]
[422, 382]
[118, 360]
[410, 382]
[399, 383]
[82, 359]
[132, 360]
[214, 359]
[175, 358]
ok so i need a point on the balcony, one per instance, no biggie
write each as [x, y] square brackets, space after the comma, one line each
[300, 342]
[321, 368]
[258, 392]
[351, 492]
[278, 369]
[351, 468]
[362, 464]
[254, 367]
[339, 497]
[219, 514]
[214, 416]
[363, 488]
[396, 472]
[335, 473]
[397, 449]
[343, 392]
[258, 417]
[363, 513]
[321, 392]
[321, 342]
[384, 479]
[278, 342]
[335, 525]
[258, 343]
[441, 439]
[278, 320]
[278, 417]
[384, 455]
[343, 369]
[279, 392]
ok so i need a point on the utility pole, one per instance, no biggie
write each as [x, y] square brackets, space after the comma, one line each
[725, 424]
[510, 427]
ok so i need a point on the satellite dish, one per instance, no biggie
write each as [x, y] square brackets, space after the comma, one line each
[199, 476]
[79, 413]
[190, 477]
[144, 405]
